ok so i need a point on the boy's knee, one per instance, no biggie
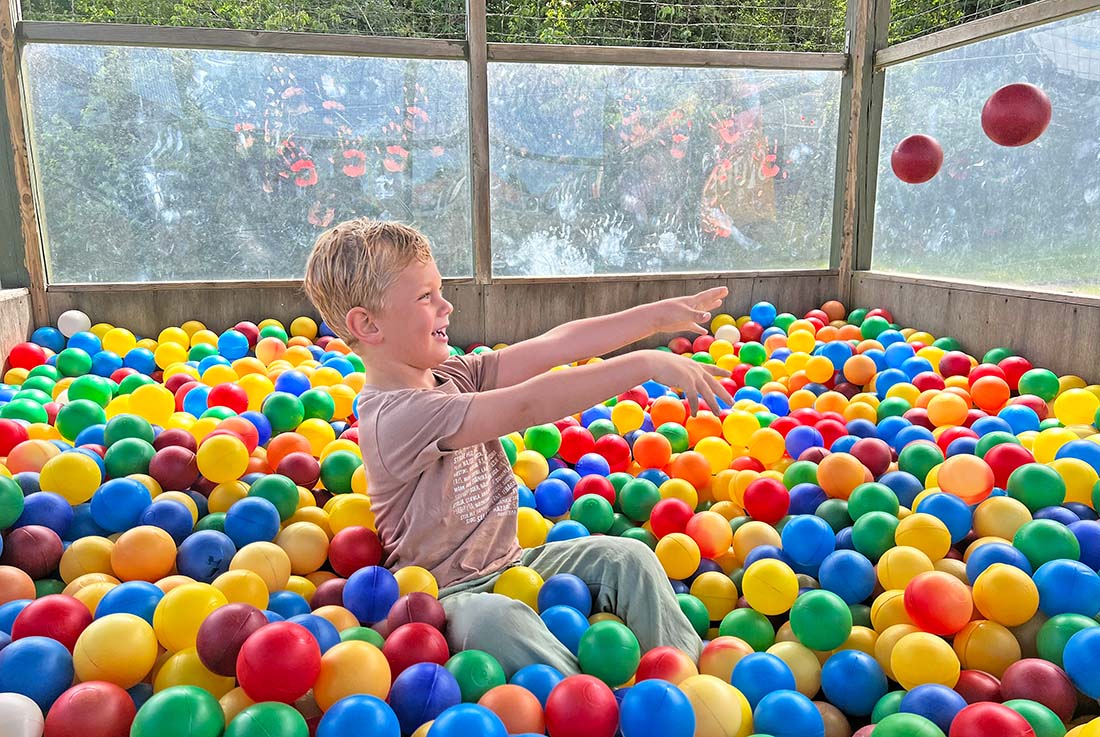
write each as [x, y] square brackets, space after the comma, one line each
[481, 616]
[624, 549]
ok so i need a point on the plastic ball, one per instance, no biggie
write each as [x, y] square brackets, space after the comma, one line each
[987, 646]
[916, 159]
[96, 709]
[179, 711]
[421, 693]
[518, 709]
[58, 617]
[770, 586]
[938, 603]
[788, 713]
[758, 674]
[656, 708]
[412, 643]
[609, 651]
[821, 620]
[1042, 682]
[464, 719]
[349, 668]
[359, 712]
[719, 707]
[920, 657]
[49, 661]
[1016, 114]
[986, 718]
[278, 662]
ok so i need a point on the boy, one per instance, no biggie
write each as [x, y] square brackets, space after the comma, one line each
[441, 487]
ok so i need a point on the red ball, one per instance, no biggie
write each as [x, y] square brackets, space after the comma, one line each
[615, 450]
[916, 159]
[972, 416]
[666, 663]
[301, 468]
[91, 709]
[938, 602]
[278, 662]
[954, 363]
[26, 356]
[918, 416]
[417, 607]
[784, 425]
[1016, 114]
[228, 395]
[34, 549]
[329, 593]
[679, 344]
[989, 720]
[595, 484]
[412, 643]
[182, 390]
[831, 431]
[1036, 404]
[249, 330]
[767, 500]
[223, 633]
[874, 454]
[670, 515]
[174, 468]
[12, 433]
[987, 369]
[813, 455]
[175, 438]
[747, 463]
[576, 441]
[1014, 367]
[353, 548]
[175, 381]
[119, 374]
[702, 343]
[806, 416]
[751, 332]
[952, 434]
[1006, 458]
[882, 312]
[926, 380]
[976, 686]
[1041, 681]
[638, 395]
[55, 616]
[582, 706]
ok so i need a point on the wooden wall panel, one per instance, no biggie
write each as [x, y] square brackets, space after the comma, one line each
[15, 319]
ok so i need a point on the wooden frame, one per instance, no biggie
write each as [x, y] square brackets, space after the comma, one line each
[644, 56]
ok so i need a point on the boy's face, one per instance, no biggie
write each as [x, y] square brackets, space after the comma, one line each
[413, 323]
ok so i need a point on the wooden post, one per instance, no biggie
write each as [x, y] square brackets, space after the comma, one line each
[24, 254]
[478, 102]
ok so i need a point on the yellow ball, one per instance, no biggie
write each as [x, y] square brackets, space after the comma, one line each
[352, 667]
[267, 560]
[243, 587]
[119, 648]
[174, 335]
[627, 416]
[819, 369]
[1050, 441]
[1001, 516]
[219, 374]
[987, 646]
[222, 458]
[678, 554]
[1006, 595]
[888, 609]
[920, 658]
[682, 490]
[520, 583]
[926, 533]
[306, 546]
[531, 528]
[178, 615]
[119, 340]
[717, 705]
[898, 566]
[204, 337]
[74, 476]
[226, 494]
[185, 669]
[153, 402]
[739, 426]
[343, 397]
[767, 446]
[803, 664]
[717, 592]
[752, 535]
[1076, 407]
[90, 554]
[233, 703]
[303, 326]
[770, 586]
[718, 453]
[257, 387]
[532, 467]
[349, 510]
[415, 578]
[1079, 476]
[319, 434]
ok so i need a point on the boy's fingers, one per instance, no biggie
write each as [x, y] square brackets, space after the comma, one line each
[716, 370]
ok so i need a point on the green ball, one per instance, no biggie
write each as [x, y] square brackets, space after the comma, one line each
[337, 469]
[132, 382]
[758, 376]
[1040, 382]
[856, 316]
[872, 327]
[996, 355]
[318, 403]
[50, 372]
[783, 321]
[284, 411]
[11, 502]
[872, 497]
[800, 472]
[35, 395]
[214, 521]
[873, 534]
[889, 704]
[765, 418]
[546, 439]
[677, 436]
[702, 357]
[991, 440]
[179, 711]
[127, 456]
[821, 620]
[609, 651]
[1043, 721]
[509, 450]
[274, 331]
[892, 407]
[47, 587]
[1055, 633]
[594, 512]
[122, 427]
[618, 480]
[74, 362]
[24, 409]
[364, 634]
[947, 343]
[602, 427]
[201, 351]
[919, 458]
[481, 349]
[737, 575]
[41, 384]
[753, 354]
[1044, 540]
[1037, 486]
[861, 615]
[641, 535]
[218, 413]
[266, 719]
[751, 626]
[357, 362]
[280, 491]
[835, 512]
[638, 498]
[76, 416]
[477, 672]
[904, 724]
[93, 388]
[1050, 423]
[696, 612]
[620, 523]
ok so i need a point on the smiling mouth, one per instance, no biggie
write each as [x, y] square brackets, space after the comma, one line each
[441, 334]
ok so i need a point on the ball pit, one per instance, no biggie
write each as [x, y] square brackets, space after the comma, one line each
[878, 511]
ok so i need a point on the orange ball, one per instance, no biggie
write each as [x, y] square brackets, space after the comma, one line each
[947, 408]
[703, 425]
[517, 707]
[143, 553]
[15, 584]
[283, 445]
[840, 473]
[859, 369]
[834, 309]
[652, 450]
[667, 409]
[691, 467]
[711, 532]
[990, 393]
[968, 477]
[31, 455]
[721, 655]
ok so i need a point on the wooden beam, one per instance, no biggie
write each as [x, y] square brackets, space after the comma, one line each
[34, 265]
[480, 216]
[1009, 21]
[642, 56]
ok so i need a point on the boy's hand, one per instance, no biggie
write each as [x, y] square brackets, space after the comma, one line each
[692, 377]
[684, 314]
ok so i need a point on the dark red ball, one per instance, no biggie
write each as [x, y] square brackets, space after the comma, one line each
[353, 548]
[301, 468]
[1016, 114]
[872, 453]
[417, 607]
[1041, 681]
[916, 159]
[976, 686]
[175, 437]
[174, 467]
[955, 363]
[223, 633]
[34, 549]
[329, 593]
[412, 643]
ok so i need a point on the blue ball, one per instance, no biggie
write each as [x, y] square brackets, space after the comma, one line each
[844, 539]
[539, 679]
[105, 363]
[847, 574]
[862, 429]
[1020, 418]
[86, 341]
[762, 552]
[952, 511]
[322, 630]
[91, 435]
[370, 593]
[421, 693]
[273, 616]
[48, 660]
[897, 354]
[568, 590]
[140, 360]
[287, 604]
[843, 444]
[1082, 450]
[748, 392]
[911, 434]
[961, 446]
[1078, 659]
[553, 497]
[1067, 587]
[463, 720]
[905, 486]
[598, 412]
[140, 693]
[935, 702]
[119, 503]
[83, 525]
[808, 540]
[853, 682]
[758, 674]
[233, 345]
[656, 708]
[1083, 511]
[914, 367]
[526, 497]
[806, 498]
[986, 555]
[1061, 515]
[139, 598]
[9, 611]
[566, 624]
[568, 475]
[777, 403]
[884, 380]
[48, 337]
[890, 427]
[592, 464]
[171, 516]
[654, 475]
[1087, 533]
[802, 438]
[211, 361]
[359, 714]
[46, 509]
[763, 314]
[205, 555]
[29, 482]
[250, 520]
[837, 351]
[195, 400]
[788, 713]
[261, 423]
[567, 529]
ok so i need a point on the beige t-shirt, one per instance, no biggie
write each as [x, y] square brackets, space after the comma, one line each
[452, 512]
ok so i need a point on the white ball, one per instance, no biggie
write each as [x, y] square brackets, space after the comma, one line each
[728, 333]
[72, 322]
[21, 716]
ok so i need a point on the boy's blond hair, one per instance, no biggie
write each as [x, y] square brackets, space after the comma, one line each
[355, 262]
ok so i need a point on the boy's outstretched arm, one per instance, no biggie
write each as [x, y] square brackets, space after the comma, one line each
[595, 336]
[553, 395]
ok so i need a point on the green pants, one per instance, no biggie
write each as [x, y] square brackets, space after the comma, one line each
[627, 578]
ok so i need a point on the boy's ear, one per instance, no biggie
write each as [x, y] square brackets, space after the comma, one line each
[363, 327]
